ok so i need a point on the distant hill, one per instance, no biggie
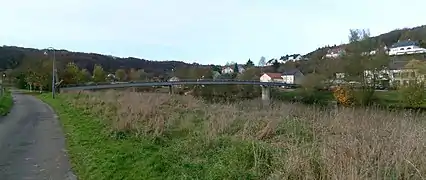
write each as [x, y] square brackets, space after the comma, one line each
[11, 57]
[417, 33]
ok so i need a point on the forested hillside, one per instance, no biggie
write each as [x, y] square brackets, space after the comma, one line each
[11, 57]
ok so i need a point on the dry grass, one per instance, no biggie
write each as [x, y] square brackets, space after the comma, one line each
[288, 141]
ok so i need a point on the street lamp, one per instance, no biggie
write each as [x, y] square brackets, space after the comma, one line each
[53, 69]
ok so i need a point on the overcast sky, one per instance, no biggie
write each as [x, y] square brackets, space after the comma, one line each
[203, 31]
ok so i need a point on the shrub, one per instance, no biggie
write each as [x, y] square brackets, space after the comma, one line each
[343, 95]
[413, 95]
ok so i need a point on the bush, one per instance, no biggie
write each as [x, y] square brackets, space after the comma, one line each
[413, 95]
[344, 95]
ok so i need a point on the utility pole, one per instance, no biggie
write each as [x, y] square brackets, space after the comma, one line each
[53, 71]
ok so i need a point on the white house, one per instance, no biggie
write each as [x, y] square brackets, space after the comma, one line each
[230, 69]
[271, 77]
[406, 47]
[335, 52]
[290, 77]
[295, 57]
[227, 70]
[174, 79]
[293, 76]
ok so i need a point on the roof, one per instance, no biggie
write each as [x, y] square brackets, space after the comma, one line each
[232, 66]
[336, 49]
[291, 72]
[274, 75]
[404, 43]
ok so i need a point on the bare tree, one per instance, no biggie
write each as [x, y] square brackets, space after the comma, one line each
[262, 61]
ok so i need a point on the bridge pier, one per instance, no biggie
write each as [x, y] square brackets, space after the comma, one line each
[266, 95]
[170, 89]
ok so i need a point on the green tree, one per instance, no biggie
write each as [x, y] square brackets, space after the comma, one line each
[85, 75]
[236, 69]
[275, 64]
[120, 74]
[249, 63]
[71, 74]
[217, 69]
[143, 75]
[98, 74]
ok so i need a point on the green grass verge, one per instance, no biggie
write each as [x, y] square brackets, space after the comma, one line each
[6, 103]
[97, 153]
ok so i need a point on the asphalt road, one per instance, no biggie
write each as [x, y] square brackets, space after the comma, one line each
[32, 144]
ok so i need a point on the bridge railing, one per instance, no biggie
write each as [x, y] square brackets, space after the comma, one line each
[172, 83]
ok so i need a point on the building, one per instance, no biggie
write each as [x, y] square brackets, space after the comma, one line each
[335, 52]
[230, 69]
[396, 75]
[289, 77]
[174, 79]
[293, 76]
[111, 77]
[406, 47]
[271, 77]
[399, 74]
[373, 52]
[295, 57]
[227, 70]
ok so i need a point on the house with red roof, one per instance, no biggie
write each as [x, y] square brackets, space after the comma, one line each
[291, 77]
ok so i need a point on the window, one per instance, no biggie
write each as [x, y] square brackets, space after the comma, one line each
[405, 82]
[401, 49]
[408, 48]
[404, 74]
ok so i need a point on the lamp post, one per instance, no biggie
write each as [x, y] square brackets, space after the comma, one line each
[2, 83]
[53, 70]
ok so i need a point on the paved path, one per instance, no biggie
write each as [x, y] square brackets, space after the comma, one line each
[32, 143]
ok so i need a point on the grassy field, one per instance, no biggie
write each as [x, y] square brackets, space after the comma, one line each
[126, 135]
[391, 98]
[6, 103]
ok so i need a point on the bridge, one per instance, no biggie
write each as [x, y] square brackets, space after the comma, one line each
[170, 84]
